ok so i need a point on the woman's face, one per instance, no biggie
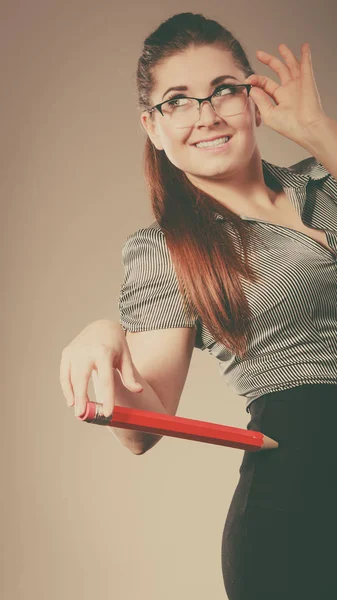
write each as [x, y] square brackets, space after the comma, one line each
[195, 68]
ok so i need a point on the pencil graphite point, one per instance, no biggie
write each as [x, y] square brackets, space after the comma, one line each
[269, 443]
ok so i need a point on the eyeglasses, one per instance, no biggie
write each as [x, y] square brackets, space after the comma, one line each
[226, 101]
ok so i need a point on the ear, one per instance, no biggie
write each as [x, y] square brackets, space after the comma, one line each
[149, 125]
[258, 118]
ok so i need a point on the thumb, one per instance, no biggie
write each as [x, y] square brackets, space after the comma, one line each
[262, 101]
[126, 369]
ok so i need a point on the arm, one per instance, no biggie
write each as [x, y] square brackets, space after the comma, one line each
[161, 358]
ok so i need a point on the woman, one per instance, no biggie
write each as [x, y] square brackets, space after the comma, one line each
[268, 313]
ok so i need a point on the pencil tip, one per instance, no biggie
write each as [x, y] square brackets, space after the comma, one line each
[269, 443]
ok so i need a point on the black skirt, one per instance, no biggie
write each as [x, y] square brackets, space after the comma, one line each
[280, 536]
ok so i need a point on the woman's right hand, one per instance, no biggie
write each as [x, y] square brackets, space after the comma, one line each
[96, 350]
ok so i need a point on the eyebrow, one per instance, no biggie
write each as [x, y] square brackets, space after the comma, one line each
[184, 88]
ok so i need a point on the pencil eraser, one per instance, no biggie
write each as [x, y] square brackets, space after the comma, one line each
[89, 413]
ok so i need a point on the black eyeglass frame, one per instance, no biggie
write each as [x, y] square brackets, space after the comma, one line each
[248, 87]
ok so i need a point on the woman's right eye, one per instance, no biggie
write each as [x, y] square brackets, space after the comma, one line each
[177, 102]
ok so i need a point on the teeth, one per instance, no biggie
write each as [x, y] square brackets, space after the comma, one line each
[213, 143]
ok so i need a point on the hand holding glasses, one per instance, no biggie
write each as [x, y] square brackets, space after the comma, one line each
[183, 111]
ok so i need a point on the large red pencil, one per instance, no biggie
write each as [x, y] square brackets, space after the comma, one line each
[180, 427]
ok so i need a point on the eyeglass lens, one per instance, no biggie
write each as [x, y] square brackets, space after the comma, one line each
[184, 112]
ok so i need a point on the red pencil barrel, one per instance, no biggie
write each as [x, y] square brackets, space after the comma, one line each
[152, 422]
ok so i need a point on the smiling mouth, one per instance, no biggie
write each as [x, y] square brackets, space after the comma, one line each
[213, 143]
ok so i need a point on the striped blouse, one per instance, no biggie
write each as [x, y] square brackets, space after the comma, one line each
[293, 329]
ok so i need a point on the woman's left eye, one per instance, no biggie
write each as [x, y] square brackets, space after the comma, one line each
[222, 91]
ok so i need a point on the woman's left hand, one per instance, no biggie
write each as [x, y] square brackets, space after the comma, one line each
[298, 104]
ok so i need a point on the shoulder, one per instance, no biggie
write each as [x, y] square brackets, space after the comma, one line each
[304, 166]
[311, 167]
[299, 173]
[147, 246]
[151, 235]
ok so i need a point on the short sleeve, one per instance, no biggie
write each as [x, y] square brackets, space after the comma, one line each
[149, 295]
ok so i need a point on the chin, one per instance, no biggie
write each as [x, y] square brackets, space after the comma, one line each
[213, 171]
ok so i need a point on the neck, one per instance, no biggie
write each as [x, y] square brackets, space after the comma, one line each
[243, 189]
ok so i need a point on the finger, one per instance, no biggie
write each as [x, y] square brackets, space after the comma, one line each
[265, 83]
[263, 103]
[80, 374]
[104, 383]
[310, 89]
[128, 374]
[98, 396]
[306, 64]
[291, 60]
[94, 377]
[276, 64]
[65, 381]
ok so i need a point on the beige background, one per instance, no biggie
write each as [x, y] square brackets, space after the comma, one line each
[82, 516]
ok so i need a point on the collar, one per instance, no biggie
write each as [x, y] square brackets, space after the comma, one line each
[298, 174]
[295, 176]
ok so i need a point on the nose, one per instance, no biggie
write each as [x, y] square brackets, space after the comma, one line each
[207, 114]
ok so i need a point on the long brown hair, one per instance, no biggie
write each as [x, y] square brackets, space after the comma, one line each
[203, 251]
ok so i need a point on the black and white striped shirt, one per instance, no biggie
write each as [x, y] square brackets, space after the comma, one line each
[293, 329]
